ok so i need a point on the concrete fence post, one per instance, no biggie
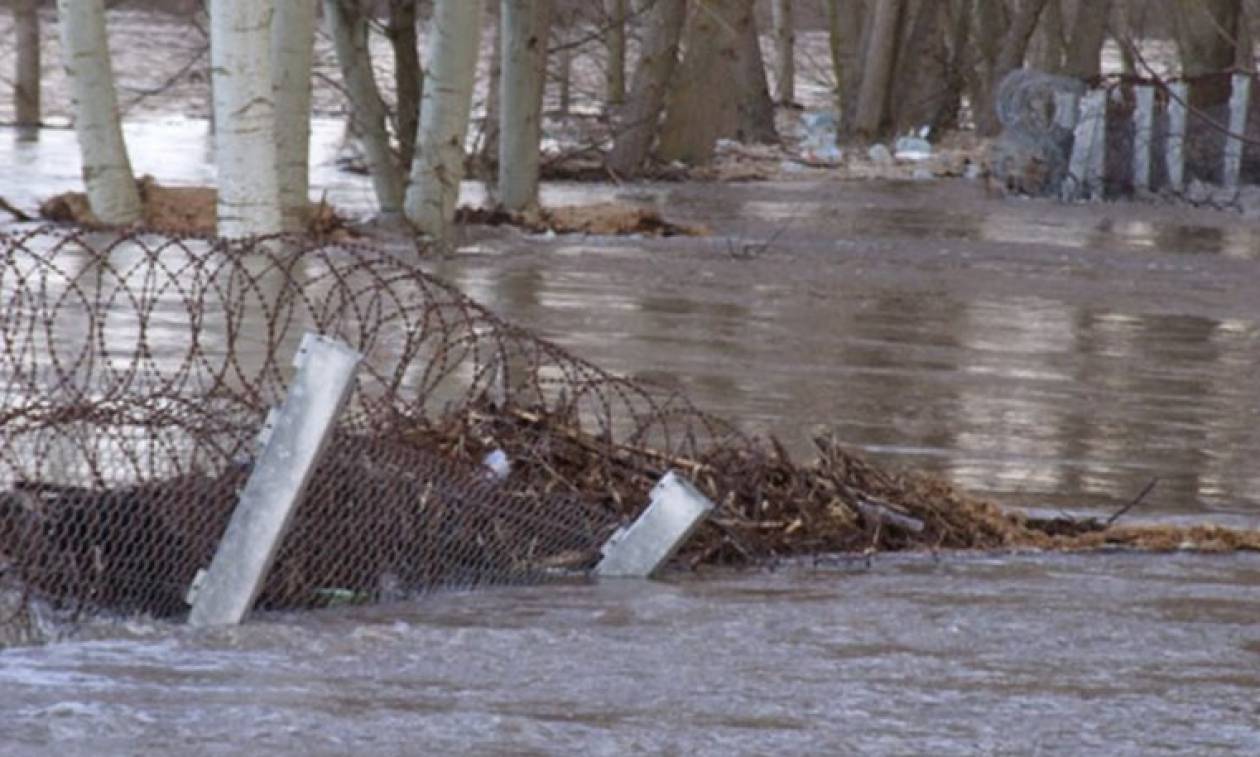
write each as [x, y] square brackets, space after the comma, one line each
[1143, 128]
[1086, 166]
[296, 435]
[640, 549]
[1174, 154]
[1239, 101]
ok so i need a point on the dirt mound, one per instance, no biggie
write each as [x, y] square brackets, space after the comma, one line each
[605, 219]
[177, 210]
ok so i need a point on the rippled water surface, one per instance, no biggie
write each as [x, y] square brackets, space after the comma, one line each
[1047, 356]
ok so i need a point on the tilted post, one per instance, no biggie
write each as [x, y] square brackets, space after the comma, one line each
[1174, 154]
[1085, 168]
[640, 549]
[1143, 123]
[298, 434]
[1239, 100]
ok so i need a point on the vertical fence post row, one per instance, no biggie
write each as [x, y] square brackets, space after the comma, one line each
[1143, 123]
[1239, 100]
[640, 549]
[1085, 168]
[299, 433]
[1175, 148]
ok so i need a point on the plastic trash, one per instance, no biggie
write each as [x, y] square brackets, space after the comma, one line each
[913, 148]
[819, 143]
[497, 464]
[879, 154]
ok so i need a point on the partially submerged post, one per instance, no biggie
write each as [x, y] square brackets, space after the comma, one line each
[640, 549]
[1085, 169]
[1174, 153]
[1143, 121]
[297, 436]
[1239, 100]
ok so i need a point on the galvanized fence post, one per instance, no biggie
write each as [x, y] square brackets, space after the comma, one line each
[640, 549]
[299, 431]
[1085, 167]
[1143, 128]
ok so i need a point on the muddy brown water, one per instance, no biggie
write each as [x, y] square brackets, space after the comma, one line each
[1046, 356]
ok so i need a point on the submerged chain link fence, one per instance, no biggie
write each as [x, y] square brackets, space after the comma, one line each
[136, 371]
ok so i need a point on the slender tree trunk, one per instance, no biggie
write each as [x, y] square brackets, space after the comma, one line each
[347, 24]
[438, 166]
[408, 75]
[921, 76]
[292, 49]
[638, 124]
[244, 109]
[1047, 50]
[525, 28]
[111, 187]
[785, 52]
[880, 59]
[756, 108]
[615, 41]
[26, 89]
[1010, 57]
[489, 157]
[844, 22]
[564, 71]
[1089, 31]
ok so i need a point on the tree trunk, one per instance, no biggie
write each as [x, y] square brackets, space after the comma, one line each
[1046, 52]
[244, 111]
[785, 52]
[438, 166]
[292, 49]
[111, 188]
[1089, 31]
[408, 76]
[721, 77]
[921, 77]
[489, 156]
[564, 71]
[347, 25]
[1207, 34]
[638, 124]
[525, 28]
[844, 23]
[26, 89]
[1010, 57]
[756, 108]
[615, 41]
[880, 55]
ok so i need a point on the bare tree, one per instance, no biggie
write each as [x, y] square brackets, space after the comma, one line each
[879, 51]
[347, 24]
[785, 52]
[844, 21]
[1089, 31]
[245, 118]
[615, 41]
[1207, 36]
[26, 86]
[408, 75]
[525, 30]
[438, 165]
[111, 187]
[722, 77]
[292, 48]
[1012, 34]
[638, 123]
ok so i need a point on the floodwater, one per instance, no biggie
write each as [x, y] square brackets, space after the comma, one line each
[1047, 356]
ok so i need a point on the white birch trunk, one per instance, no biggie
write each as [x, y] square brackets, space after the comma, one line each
[785, 51]
[438, 166]
[244, 115]
[348, 27]
[26, 90]
[292, 48]
[111, 188]
[525, 26]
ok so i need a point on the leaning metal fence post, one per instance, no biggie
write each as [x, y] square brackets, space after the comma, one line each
[640, 549]
[298, 434]
[1239, 99]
